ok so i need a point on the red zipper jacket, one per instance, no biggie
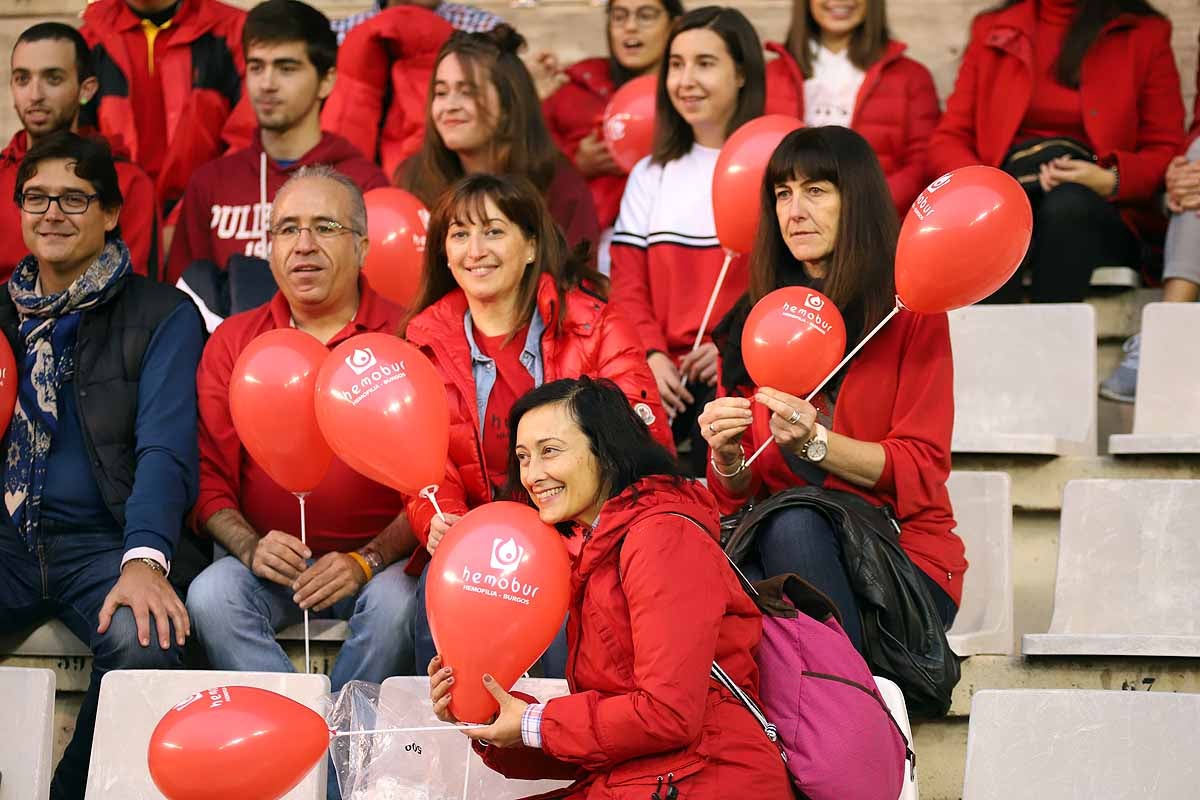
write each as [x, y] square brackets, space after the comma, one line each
[1128, 89]
[896, 111]
[140, 223]
[201, 67]
[591, 340]
[385, 66]
[642, 706]
[220, 214]
[898, 391]
[576, 110]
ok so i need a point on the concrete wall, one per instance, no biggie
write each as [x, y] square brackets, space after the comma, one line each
[935, 30]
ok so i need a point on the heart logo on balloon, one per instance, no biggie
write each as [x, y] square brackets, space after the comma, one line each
[235, 741]
[496, 594]
[382, 407]
[793, 337]
[628, 123]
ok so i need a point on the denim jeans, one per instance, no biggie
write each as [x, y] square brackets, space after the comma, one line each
[68, 577]
[553, 662]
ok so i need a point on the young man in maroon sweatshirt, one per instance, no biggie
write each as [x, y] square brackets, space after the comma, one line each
[290, 52]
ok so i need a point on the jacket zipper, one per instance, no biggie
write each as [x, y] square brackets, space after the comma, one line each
[41, 551]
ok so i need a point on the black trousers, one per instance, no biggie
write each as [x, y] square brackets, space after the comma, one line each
[1075, 231]
[685, 428]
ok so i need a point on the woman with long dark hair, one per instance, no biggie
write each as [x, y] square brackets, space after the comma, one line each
[1080, 100]
[841, 66]
[483, 116]
[665, 253]
[643, 718]
[503, 307]
[881, 429]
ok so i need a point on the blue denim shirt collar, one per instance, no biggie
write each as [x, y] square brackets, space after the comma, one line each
[483, 369]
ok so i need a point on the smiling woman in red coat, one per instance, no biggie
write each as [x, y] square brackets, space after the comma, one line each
[1096, 81]
[840, 66]
[643, 718]
[504, 307]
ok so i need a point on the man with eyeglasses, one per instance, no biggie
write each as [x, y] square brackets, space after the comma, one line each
[358, 535]
[101, 462]
[50, 79]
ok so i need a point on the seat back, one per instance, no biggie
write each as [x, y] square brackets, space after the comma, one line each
[895, 702]
[983, 512]
[27, 697]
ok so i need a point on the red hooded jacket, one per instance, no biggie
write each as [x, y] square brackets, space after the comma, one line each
[1194, 131]
[896, 111]
[642, 705]
[140, 223]
[1128, 89]
[384, 70]
[591, 340]
[220, 214]
[898, 391]
[201, 65]
[574, 111]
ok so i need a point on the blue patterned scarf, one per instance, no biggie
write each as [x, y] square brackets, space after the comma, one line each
[48, 327]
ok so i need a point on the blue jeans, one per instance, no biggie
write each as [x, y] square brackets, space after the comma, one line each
[553, 661]
[68, 577]
[802, 540]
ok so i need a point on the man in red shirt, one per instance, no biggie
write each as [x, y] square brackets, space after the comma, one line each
[290, 52]
[358, 535]
[51, 77]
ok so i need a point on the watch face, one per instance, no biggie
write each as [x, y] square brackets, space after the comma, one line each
[817, 450]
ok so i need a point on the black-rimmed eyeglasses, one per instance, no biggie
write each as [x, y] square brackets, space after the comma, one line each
[68, 202]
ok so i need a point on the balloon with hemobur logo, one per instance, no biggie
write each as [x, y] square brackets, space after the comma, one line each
[793, 338]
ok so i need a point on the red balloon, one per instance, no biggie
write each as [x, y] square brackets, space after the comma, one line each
[8, 384]
[382, 407]
[271, 399]
[737, 180]
[396, 224]
[793, 338]
[496, 596]
[235, 741]
[629, 121]
[963, 238]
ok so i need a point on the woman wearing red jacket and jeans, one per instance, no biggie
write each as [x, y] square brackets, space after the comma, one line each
[840, 66]
[1099, 72]
[881, 430]
[504, 307]
[654, 603]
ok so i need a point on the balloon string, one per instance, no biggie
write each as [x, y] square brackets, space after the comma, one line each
[712, 300]
[430, 494]
[833, 372]
[335, 734]
[304, 540]
[467, 772]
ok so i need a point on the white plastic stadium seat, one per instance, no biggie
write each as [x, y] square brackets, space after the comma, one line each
[1024, 379]
[1071, 744]
[895, 702]
[1166, 418]
[319, 630]
[441, 761]
[1115, 278]
[1128, 571]
[983, 511]
[27, 697]
[133, 701]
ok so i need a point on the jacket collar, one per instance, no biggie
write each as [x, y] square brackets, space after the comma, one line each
[1012, 29]
[592, 74]
[18, 145]
[193, 19]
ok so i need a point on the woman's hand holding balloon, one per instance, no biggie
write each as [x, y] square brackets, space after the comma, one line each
[675, 395]
[792, 419]
[505, 729]
[723, 422]
[700, 365]
[438, 527]
[593, 158]
[441, 679]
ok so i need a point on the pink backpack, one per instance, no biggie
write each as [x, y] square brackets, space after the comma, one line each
[820, 704]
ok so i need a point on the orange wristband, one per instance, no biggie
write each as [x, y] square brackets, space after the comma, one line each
[362, 562]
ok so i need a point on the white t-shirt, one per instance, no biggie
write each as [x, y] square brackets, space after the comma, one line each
[830, 93]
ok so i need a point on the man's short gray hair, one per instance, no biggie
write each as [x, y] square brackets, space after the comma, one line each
[358, 207]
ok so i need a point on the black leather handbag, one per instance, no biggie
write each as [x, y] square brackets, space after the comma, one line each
[903, 637]
[1024, 159]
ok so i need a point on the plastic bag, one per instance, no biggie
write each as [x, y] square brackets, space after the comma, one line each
[389, 746]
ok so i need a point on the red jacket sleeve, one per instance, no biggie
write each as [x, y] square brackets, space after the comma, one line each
[1160, 122]
[673, 654]
[623, 361]
[526, 763]
[569, 201]
[140, 223]
[220, 447]
[953, 144]
[192, 240]
[921, 118]
[630, 269]
[1194, 131]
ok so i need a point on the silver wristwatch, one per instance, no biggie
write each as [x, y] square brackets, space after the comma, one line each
[817, 446]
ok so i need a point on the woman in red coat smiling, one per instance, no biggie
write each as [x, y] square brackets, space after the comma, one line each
[643, 719]
[504, 307]
[840, 66]
[1099, 72]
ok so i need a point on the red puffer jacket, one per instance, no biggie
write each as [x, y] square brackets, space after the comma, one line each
[896, 111]
[643, 713]
[591, 340]
[574, 111]
[1128, 91]
[384, 69]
